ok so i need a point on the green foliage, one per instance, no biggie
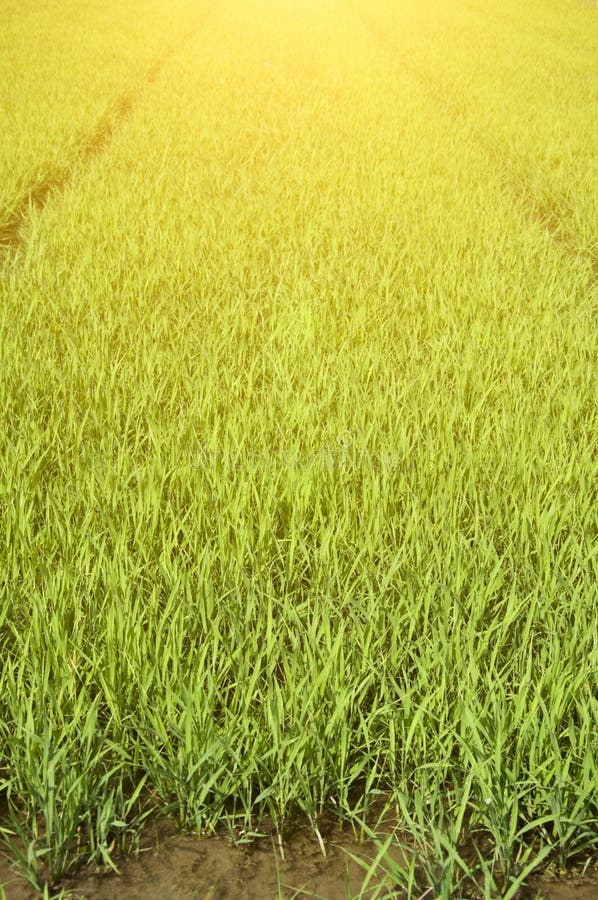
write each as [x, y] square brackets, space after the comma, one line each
[298, 444]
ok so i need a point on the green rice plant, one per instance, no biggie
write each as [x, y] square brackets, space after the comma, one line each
[569, 796]
[298, 435]
[546, 173]
[427, 845]
[105, 55]
[436, 851]
[60, 766]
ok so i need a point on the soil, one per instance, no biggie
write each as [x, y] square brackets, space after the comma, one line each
[171, 865]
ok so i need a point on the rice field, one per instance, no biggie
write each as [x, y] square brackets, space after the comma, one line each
[298, 432]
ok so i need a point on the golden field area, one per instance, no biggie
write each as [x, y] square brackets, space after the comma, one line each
[298, 434]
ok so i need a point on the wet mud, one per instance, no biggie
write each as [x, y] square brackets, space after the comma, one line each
[191, 867]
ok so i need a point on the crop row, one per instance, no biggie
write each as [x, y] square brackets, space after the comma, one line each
[63, 74]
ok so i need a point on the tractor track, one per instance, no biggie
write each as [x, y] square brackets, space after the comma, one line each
[12, 230]
[514, 185]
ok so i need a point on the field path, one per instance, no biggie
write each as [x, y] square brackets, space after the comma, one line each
[462, 109]
[92, 144]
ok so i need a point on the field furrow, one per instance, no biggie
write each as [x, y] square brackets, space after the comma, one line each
[66, 81]
[513, 98]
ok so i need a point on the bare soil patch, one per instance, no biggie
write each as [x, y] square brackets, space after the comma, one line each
[215, 868]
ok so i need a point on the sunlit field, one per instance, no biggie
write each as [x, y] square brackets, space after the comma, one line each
[299, 431]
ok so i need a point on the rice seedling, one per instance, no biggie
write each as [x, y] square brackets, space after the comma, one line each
[298, 439]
